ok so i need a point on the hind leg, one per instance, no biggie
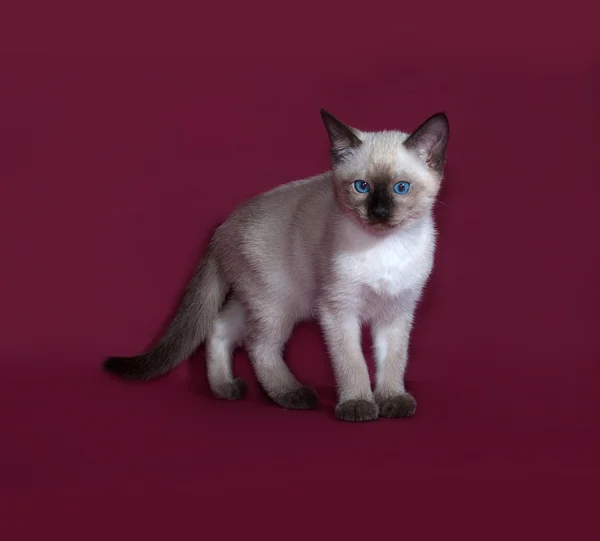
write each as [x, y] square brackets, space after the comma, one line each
[268, 330]
[227, 334]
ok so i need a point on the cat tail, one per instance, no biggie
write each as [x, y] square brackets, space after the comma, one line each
[201, 302]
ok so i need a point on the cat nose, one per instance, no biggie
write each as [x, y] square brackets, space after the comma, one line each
[381, 212]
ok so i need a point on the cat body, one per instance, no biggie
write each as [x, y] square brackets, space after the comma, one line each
[320, 248]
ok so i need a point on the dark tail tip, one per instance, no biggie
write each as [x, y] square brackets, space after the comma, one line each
[129, 368]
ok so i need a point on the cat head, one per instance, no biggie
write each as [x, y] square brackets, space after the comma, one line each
[387, 179]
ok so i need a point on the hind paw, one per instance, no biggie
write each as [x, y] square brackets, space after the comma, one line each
[303, 398]
[231, 390]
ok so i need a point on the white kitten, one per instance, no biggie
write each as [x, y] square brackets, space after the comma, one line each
[351, 246]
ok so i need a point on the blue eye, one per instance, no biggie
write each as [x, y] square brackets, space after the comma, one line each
[361, 186]
[402, 188]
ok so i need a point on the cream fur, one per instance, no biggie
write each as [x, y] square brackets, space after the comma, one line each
[312, 249]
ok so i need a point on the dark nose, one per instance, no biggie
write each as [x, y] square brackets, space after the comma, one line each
[380, 212]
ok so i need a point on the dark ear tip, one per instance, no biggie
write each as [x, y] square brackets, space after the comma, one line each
[325, 114]
[444, 118]
[440, 118]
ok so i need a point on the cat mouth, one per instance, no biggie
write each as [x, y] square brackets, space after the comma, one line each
[380, 226]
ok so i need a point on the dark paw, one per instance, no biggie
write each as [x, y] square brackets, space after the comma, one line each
[357, 411]
[234, 390]
[403, 405]
[303, 398]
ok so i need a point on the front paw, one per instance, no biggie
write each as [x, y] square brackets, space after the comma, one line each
[402, 405]
[357, 411]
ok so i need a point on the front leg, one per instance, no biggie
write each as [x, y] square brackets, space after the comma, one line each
[391, 338]
[342, 333]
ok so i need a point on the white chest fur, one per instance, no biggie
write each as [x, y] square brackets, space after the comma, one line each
[384, 267]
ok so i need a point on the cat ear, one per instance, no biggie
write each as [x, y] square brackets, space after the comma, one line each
[429, 141]
[344, 139]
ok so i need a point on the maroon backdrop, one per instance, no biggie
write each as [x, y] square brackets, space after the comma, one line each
[128, 132]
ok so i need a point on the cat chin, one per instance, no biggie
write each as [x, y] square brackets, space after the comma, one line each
[377, 229]
[380, 229]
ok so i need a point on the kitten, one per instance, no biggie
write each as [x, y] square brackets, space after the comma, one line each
[351, 246]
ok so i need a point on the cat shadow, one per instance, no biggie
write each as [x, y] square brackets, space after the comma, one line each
[197, 378]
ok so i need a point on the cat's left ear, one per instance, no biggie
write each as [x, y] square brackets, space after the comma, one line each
[344, 139]
[429, 141]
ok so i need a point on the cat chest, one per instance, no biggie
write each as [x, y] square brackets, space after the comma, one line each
[382, 273]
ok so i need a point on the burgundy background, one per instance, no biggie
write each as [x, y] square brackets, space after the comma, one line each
[127, 132]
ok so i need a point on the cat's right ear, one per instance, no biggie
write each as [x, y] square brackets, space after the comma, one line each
[344, 139]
